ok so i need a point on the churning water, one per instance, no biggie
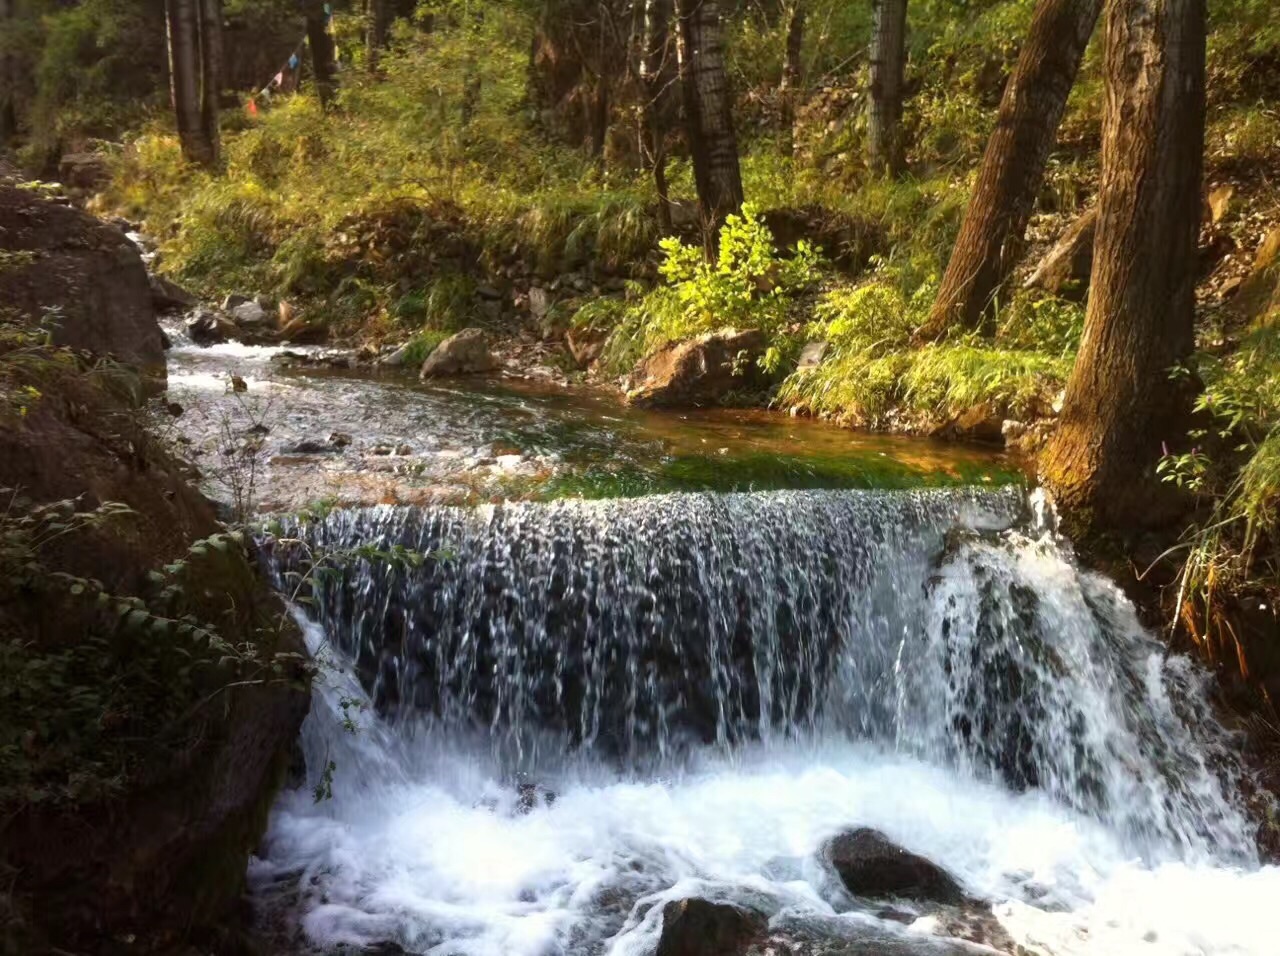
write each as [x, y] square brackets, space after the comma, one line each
[570, 713]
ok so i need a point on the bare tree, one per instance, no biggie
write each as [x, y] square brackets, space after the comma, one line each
[713, 143]
[1120, 405]
[379, 27]
[655, 80]
[8, 80]
[183, 19]
[792, 65]
[322, 52]
[886, 151]
[211, 75]
[991, 238]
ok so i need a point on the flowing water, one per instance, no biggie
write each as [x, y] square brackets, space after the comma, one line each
[538, 721]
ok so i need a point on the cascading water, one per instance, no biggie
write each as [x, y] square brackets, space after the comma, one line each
[579, 710]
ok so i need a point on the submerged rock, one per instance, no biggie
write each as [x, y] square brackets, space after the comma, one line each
[701, 371]
[210, 328]
[871, 865]
[466, 353]
[695, 927]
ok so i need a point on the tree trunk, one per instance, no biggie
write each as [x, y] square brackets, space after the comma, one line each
[991, 238]
[379, 28]
[8, 84]
[211, 74]
[184, 79]
[322, 55]
[713, 144]
[792, 66]
[654, 79]
[1120, 405]
[886, 152]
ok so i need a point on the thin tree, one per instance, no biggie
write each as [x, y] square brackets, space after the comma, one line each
[991, 238]
[320, 41]
[655, 80]
[713, 144]
[1120, 405]
[8, 78]
[792, 67]
[183, 21]
[379, 27]
[886, 151]
[211, 75]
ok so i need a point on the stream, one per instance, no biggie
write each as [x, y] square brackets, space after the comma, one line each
[647, 657]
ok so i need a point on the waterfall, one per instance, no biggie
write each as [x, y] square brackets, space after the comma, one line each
[935, 658]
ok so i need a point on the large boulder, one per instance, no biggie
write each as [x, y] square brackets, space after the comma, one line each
[129, 807]
[466, 353]
[695, 927]
[701, 371]
[81, 276]
[1065, 269]
[871, 865]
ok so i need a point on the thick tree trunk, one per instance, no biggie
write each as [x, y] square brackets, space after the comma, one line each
[8, 84]
[378, 30]
[184, 79]
[655, 81]
[1121, 406]
[211, 74]
[708, 115]
[886, 151]
[322, 54]
[991, 238]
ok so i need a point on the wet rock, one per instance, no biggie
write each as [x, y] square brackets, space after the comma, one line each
[210, 328]
[93, 275]
[251, 316]
[339, 439]
[168, 296]
[585, 345]
[984, 423]
[238, 384]
[310, 446]
[695, 927]
[381, 451]
[174, 410]
[404, 450]
[233, 301]
[871, 865]
[398, 357]
[466, 353]
[1065, 269]
[702, 371]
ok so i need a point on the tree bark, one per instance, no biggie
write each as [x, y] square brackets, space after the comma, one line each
[792, 65]
[182, 18]
[991, 239]
[1121, 405]
[211, 75]
[713, 143]
[378, 30]
[655, 81]
[886, 152]
[322, 54]
[8, 84]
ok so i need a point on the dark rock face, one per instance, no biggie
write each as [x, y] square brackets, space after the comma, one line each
[870, 865]
[466, 353]
[160, 858]
[58, 256]
[702, 371]
[696, 927]
[168, 296]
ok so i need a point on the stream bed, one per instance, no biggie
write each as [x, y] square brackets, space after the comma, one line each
[647, 657]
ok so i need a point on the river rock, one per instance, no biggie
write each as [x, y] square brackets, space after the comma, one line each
[252, 317]
[210, 328]
[1065, 269]
[585, 345]
[84, 171]
[871, 865]
[168, 296]
[466, 353]
[233, 300]
[695, 927]
[60, 257]
[701, 371]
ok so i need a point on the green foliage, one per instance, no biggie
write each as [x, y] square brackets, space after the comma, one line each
[421, 345]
